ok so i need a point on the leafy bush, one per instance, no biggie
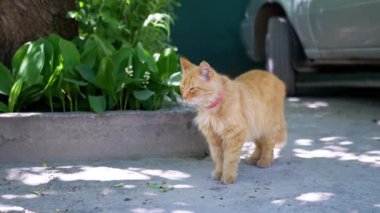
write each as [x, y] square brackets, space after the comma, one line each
[107, 67]
[131, 21]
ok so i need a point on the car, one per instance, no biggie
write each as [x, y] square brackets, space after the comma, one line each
[297, 36]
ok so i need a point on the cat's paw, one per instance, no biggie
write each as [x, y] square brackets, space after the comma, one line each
[252, 161]
[264, 163]
[216, 175]
[228, 179]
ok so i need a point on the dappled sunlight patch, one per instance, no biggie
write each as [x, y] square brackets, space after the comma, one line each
[183, 186]
[107, 191]
[318, 153]
[346, 143]
[102, 174]
[315, 197]
[297, 103]
[376, 205]
[9, 208]
[365, 158]
[304, 142]
[129, 186]
[348, 157]
[150, 194]
[335, 148]
[181, 204]
[293, 100]
[249, 147]
[169, 174]
[182, 211]
[40, 175]
[316, 104]
[278, 202]
[144, 210]
[331, 138]
[13, 196]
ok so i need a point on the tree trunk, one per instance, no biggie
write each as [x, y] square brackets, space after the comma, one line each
[27, 20]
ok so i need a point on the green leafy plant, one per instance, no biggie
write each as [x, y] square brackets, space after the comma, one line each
[128, 21]
[108, 67]
[98, 76]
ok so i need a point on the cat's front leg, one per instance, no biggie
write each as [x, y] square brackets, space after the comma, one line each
[232, 145]
[215, 145]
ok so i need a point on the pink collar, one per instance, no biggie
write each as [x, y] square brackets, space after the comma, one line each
[217, 100]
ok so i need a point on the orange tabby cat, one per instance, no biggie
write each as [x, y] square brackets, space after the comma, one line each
[231, 112]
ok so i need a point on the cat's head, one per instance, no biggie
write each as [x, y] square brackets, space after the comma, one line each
[200, 84]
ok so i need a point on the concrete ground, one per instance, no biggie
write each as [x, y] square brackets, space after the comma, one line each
[330, 164]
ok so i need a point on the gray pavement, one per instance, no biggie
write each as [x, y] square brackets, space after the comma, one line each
[330, 164]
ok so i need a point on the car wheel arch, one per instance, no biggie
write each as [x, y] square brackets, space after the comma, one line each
[266, 12]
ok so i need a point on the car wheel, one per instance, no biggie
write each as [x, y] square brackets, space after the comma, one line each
[281, 52]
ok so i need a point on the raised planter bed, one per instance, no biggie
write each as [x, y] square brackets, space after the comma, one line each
[40, 137]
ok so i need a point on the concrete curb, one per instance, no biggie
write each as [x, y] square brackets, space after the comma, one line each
[36, 137]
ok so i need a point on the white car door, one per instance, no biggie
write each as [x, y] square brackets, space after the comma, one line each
[346, 29]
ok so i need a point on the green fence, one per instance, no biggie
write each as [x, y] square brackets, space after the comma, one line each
[210, 30]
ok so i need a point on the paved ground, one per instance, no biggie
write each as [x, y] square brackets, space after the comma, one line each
[331, 164]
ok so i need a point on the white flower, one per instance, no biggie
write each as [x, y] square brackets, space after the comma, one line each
[129, 71]
[146, 77]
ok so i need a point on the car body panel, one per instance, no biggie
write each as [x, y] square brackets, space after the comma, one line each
[327, 29]
[346, 28]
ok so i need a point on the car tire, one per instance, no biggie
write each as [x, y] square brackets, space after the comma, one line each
[281, 52]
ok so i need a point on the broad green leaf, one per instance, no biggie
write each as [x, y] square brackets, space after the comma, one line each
[76, 82]
[146, 57]
[3, 107]
[138, 68]
[112, 101]
[111, 4]
[113, 22]
[18, 57]
[14, 94]
[167, 63]
[97, 103]
[49, 60]
[30, 94]
[128, 81]
[105, 78]
[54, 40]
[32, 64]
[54, 77]
[70, 54]
[143, 95]
[87, 73]
[121, 60]
[6, 80]
[103, 45]
[89, 56]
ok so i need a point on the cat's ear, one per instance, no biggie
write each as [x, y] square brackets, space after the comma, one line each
[186, 65]
[206, 70]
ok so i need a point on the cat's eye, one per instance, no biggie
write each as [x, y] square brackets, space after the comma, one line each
[192, 89]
